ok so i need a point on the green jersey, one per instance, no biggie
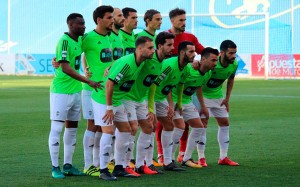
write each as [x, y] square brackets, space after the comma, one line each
[213, 88]
[146, 33]
[69, 50]
[147, 76]
[170, 75]
[123, 73]
[195, 80]
[98, 54]
[128, 41]
[116, 44]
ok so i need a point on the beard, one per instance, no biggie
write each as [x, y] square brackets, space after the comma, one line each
[118, 25]
[228, 60]
[187, 59]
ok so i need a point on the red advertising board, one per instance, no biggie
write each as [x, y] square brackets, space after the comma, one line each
[280, 66]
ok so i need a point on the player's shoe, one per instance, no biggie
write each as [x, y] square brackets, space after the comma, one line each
[128, 169]
[92, 171]
[70, 170]
[156, 164]
[173, 167]
[227, 161]
[119, 171]
[111, 165]
[180, 158]
[202, 162]
[190, 163]
[56, 173]
[160, 159]
[106, 175]
[132, 163]
[145, 170]
[153, 168]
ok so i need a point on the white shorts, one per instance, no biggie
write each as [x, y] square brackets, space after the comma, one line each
[161, 108]
[65, 107]
[135, 110]
[87, 107]
[100, 109]
[215, 109]
[189, 111]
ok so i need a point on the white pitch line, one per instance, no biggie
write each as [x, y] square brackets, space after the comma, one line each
[272, 96]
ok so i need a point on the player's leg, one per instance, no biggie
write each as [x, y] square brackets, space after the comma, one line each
[166, 136]
[130, 107]
[191, 116]
[122, 134]
[89, 135]
[145, 142]
[96, 148]
[73, 116]
[58, 115]
[105, 141]
[222, 117]
[179, 127]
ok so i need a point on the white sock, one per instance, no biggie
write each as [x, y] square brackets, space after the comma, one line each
[112, 147]
[54, 141]
[69, 144]
[142, 147]
[121, 147]
[96, 149]
[202, 143]
[167, 143]
[105, 146]
[149, 153]
[88, 145]
[129, 154]
[177, 133]
[193, 138]
[223, 139]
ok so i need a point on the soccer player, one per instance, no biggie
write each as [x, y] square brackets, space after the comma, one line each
[178, 18]
[116, 42]
[215, 103]
[198, 76]
[173, 73]
[136, 105]
[153, 21]
[108, 105]
[65, 96]
[98, 54]
[126, 32]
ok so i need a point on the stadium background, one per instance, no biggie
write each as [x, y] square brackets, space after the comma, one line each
[30, 29]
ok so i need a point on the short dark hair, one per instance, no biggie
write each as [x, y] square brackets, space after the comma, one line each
[162, 36]
[227, 44]
[126, 11]
[176, 12]
[73, 16]
[149, 15]
[183, 46]
[208, 50]
[142, 40]
[100, 11]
